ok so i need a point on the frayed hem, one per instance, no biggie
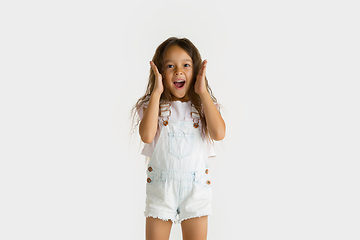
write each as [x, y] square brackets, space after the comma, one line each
[164, 219]
[196, 216]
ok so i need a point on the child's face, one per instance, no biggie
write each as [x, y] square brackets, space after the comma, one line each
[178, 72]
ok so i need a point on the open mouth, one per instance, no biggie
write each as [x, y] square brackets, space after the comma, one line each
[179, 84]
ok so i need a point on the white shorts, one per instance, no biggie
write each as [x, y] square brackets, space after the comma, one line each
[177, 196]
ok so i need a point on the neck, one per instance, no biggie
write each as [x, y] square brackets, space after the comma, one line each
[184, 99]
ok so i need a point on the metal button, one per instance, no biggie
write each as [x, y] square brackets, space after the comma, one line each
[149, 180]
[208, 182]
[207, 171]
[150, 169]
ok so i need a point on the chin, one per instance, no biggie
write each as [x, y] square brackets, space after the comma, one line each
[180, 98]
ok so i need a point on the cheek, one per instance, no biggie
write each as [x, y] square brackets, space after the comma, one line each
[190, 73]
[190, 83]
[167, 76]
[167, 82]
[190, 76]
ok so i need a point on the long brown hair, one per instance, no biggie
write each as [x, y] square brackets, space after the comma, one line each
[158, 59]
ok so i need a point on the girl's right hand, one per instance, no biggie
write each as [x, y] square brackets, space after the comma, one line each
[159, 87]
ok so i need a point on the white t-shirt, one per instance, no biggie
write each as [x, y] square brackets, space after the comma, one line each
[180, 111]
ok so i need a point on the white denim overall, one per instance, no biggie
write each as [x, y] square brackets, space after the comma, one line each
[178, 181]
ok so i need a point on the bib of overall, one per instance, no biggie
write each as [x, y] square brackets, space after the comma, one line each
[178, 182]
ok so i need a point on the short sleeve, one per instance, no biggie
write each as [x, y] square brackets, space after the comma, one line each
[211, 150]
[140, 110]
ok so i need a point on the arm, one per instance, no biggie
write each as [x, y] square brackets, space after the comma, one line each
[149, 123]
[215, 122]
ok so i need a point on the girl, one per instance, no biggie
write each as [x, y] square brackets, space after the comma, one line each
[178, 119]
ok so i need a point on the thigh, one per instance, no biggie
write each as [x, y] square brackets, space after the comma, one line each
[157, 229]
[195, 228]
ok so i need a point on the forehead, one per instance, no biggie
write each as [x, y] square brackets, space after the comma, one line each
[175, 52]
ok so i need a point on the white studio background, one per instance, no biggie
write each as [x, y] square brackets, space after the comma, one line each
[286, 73]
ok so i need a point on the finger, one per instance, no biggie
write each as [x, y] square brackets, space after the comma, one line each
[203, 68]
[154, 68]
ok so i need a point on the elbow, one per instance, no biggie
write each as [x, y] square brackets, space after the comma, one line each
[218, 136]
[145, 135]
[218, 133]
[146, 139]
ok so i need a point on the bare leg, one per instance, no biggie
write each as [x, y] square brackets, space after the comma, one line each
[157, 229]
[195, 228]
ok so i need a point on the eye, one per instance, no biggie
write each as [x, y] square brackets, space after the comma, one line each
[187, 65]
[169, 66]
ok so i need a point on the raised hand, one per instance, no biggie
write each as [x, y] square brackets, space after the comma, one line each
[200, 86]
[159, 87]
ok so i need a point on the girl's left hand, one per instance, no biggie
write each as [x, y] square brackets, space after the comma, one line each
[200, 86]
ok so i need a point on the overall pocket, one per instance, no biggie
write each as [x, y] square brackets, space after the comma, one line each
[204, 180]
[181, 144]
[155, 188]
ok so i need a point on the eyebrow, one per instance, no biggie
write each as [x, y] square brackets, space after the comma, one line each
[186, 60]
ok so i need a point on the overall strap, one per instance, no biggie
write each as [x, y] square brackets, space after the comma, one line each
[165, 112]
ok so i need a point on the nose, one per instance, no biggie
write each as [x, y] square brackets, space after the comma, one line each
[178, 73]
